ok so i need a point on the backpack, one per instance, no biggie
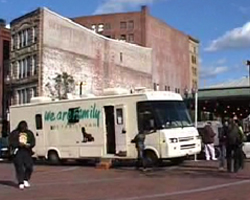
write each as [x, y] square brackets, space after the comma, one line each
[242, 134]
[234, 136]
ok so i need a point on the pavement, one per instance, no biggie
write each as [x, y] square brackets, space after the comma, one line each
[193, 180]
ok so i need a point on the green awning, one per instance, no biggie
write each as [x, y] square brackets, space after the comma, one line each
[223, 93]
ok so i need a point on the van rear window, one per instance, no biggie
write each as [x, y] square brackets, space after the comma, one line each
[39, 122]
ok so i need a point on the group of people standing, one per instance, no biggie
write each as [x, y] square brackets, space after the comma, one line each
[231, 139]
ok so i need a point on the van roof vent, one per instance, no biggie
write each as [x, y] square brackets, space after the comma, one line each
[40, 99]
[115, 91]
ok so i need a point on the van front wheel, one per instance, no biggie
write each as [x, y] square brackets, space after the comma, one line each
[53, 158]
[151, 158]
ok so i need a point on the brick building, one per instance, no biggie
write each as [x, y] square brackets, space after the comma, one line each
[45, 43]
[194, 62]
[171, 55]
[4, 65]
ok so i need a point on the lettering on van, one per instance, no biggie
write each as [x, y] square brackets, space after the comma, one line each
[74, 115]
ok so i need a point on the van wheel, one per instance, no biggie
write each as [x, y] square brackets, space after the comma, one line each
[53, 158]
[151, 158]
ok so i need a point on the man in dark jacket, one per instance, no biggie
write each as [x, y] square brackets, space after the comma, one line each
[21, 142]
[222, 145]
[208, 140]
[233, 146]
[139, 140]
[140, 146]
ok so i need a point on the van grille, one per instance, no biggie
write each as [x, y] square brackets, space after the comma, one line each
[185, 139]
[187, 146]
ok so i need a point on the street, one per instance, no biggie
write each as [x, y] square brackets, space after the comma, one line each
[193, 180]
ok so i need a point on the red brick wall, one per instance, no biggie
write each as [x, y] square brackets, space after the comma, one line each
[114, 20]
[170, 55]
[170, 46]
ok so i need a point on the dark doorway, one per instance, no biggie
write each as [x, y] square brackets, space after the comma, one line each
[110, 127]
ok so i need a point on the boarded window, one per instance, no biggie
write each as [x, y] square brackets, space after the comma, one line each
[123, 25]
[73, 115]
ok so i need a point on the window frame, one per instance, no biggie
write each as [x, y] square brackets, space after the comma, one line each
[40, 118]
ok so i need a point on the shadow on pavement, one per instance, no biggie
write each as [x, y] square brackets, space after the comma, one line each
[8, 183]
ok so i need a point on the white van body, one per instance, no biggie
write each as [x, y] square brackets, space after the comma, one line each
[113, 121]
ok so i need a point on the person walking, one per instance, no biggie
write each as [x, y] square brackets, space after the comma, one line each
[233, 147]
[21, 142]
[241, 156]
[139, 140]
[208, 140]
[222, 145]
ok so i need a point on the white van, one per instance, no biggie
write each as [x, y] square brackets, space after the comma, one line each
[103, 127]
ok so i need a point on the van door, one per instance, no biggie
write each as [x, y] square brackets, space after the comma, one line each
[40, 149]
[110, 129]
[120, 130]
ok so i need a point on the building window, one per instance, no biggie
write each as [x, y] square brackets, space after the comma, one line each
[34, 92]
[194, 61]
[93, 27]
[20, 68]
[194, 69]
[23, 38]
[28, 66]
[123, 37]
[131, 24]
[195, 50]
[107, 26]
[26, 41]
[19, 40]
[167, 88]
[195, 84]
[177, 90]
[34, 65]
[123, 25]
[100, 28]
[156, 87]
[121, 57]
[131, 37]
[12, 42]
[34, 34]
[24, 95]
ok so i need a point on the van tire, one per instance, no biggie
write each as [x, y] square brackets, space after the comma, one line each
[151, 158]
[53, 158]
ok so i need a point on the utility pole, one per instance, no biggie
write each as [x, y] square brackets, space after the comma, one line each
[248, 64]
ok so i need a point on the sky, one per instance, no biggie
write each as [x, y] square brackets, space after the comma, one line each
[221, 26]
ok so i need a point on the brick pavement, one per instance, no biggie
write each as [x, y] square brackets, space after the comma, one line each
[194, 180]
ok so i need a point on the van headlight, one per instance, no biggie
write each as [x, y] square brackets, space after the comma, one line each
[173, 140]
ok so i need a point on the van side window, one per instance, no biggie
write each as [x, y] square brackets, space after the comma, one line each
[39, 122]
[145, 114]
[119, 116]
[73, 116]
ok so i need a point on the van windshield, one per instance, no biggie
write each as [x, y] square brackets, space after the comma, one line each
[167, 114]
